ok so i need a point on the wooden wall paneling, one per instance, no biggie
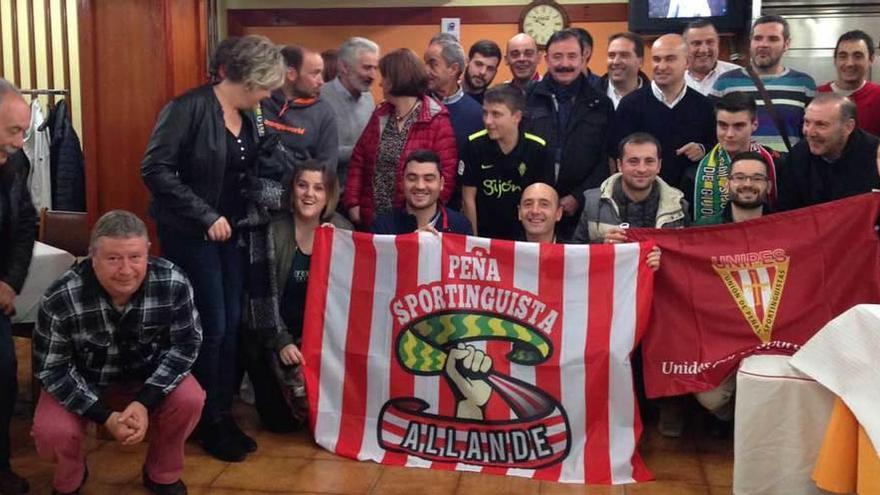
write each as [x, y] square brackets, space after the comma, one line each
[186, 26]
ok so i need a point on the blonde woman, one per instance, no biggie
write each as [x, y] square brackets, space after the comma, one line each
[202, 149]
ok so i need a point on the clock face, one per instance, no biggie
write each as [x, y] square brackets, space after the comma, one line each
[541, 21]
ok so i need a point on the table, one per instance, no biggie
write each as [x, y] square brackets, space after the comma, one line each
[47, 265]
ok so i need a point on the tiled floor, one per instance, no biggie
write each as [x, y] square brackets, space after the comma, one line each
[693, 464]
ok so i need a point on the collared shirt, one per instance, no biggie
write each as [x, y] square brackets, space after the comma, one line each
[658, 93]
[704, 86]
[454, 97]
[615, 96]
[83, 343]
[352, 115]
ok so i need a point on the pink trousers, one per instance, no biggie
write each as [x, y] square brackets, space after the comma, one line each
[58, 433]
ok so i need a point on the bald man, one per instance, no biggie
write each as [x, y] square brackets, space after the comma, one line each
[539, 211]
[679, 117]
[522, 58]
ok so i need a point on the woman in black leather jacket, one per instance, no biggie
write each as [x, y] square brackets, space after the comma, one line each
[203, 147]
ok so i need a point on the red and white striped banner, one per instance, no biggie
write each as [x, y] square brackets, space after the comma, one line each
[455, 352]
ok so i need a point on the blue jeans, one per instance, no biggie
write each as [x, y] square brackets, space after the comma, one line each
[216, 271]
[8, 386]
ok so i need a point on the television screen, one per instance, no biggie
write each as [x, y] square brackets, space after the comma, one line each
[671, 16]
[666, 9]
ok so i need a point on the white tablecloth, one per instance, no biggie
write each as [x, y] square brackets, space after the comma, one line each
[780, 421]
[47, 265]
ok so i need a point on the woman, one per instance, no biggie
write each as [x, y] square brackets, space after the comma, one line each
[406, 121]
[279, 390]
[202, 149]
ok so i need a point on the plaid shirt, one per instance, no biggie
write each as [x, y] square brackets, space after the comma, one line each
[82, 343]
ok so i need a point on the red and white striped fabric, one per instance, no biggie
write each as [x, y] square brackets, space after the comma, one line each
[389, 318]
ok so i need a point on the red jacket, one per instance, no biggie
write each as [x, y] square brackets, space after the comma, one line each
[432, 130]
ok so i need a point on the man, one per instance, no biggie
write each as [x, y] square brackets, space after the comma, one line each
[704, 67]
[18, 220]
[789, 90]
[626, 53]
[539, 211]
[350, 97]
[498, 163]
[679, 117]
[422, 183]
[835, 160]
[735, 121]
[573, 118]
[587, 40]
[482, 66]
[444, 59]
[115, 340]
[305, 123]
[853, 57]
[636, 196]
[749, 189]
[522, 58]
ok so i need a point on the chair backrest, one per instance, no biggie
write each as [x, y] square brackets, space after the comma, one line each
[67, 230]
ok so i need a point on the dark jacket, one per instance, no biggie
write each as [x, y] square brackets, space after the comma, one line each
[643, 80]
[18, 222]
[806, 179]
[583, 163]
[185, 161]
[307, 127]
[401, 222]
[67, 163]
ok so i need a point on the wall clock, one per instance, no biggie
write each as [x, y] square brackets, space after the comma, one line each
[542, 18]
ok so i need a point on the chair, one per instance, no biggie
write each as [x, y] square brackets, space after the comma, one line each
[67, 230]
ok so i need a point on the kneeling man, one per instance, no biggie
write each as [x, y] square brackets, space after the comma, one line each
[115, 340]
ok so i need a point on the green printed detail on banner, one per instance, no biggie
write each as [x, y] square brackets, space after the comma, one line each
[421, 346]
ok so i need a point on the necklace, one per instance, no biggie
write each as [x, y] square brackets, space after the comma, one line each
[400, 118]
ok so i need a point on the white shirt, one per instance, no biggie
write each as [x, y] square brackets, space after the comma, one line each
[658, 93]
[689, 8]
[615, 96]
[704, 86]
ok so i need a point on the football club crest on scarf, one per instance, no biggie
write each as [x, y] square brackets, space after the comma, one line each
[461, 353]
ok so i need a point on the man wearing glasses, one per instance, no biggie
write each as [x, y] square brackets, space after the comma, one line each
[748, 189]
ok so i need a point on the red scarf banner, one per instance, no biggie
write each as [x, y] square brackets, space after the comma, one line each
[767, 285]
[453, 352]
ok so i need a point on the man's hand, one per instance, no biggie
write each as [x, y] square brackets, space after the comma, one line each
[290, 355]
[693, 151]
[121, 431]
[569, 205]
[136, 417]
[653, 259]
[354, 214]
[220, 231]
[615, 235]
[7, 298]
[474, 389]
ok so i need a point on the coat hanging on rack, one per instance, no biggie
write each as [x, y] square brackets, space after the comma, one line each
[68, 164]
[37, 149]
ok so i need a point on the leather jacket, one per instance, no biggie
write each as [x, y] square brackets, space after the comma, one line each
[185, 161]
[19, 228]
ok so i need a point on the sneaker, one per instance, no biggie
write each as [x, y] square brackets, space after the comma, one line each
[176, 488]
[11, 483]
[245, 441]
[220, 444]
[81, 484]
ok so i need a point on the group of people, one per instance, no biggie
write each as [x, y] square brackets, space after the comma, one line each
[242, 171]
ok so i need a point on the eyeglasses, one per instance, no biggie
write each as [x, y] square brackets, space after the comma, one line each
[756, 179]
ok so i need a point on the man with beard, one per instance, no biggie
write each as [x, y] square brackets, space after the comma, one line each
[678, 116]
[704, 67]
[18, 220]
[539, 211]
[483, 59]
[422, 183]
[835, 160]
[522, 58]
[626, 53]
[573, 118]
[735, 121]
[349, 95]
[635, 196]
[789, 90]
[853, 57]
[587, 39]
[306, 124]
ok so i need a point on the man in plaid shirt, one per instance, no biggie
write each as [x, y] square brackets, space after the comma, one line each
[115, 340]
